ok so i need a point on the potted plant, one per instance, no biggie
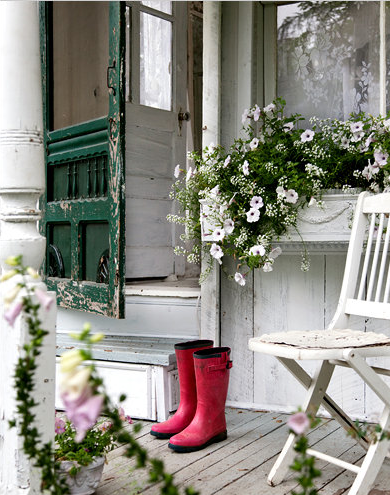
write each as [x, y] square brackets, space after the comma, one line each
[82, 462]
[239, 202]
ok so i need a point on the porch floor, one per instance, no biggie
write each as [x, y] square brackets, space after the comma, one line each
[241, 463]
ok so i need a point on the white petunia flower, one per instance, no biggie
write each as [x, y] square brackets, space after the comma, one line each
[228, 226]
[189, 174]
[257, 250]
[227, 161]
[256, 113]
[381, 157]
[245, 168]
[358, 136]
[256, 202]
[252, 215]
[307, 135]
[344, 142]
[280, 191]
[216, 251]
[269, 108]
[177, 171]
[218, 234]
[356, 127]
[239, 278]
[254, 144]
[291, 196]
[288, 126]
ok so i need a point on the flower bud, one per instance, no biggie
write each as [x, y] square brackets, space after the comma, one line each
[12, 295]
[13, 260]
[33, 273]
[97, 337]
[70, 360]
[8, 275]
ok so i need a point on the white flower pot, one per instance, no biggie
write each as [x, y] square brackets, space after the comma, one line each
[87, 479]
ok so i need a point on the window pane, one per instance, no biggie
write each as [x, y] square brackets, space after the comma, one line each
[162, 5]
[328, 58]
[155, 62]
[80, 59]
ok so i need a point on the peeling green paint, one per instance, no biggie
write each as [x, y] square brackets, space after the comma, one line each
[71, 155]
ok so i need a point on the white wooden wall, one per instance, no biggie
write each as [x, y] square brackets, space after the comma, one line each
[288, 299]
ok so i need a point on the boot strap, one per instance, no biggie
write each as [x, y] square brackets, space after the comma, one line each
[224, 366]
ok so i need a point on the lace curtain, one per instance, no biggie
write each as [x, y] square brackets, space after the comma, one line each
[328, 58]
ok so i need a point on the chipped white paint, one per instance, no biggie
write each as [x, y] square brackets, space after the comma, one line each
[21, 183]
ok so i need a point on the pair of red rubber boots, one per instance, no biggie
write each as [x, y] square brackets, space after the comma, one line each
[203, 378]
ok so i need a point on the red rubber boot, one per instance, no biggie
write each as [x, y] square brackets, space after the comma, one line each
[187, 406]
[209, 423]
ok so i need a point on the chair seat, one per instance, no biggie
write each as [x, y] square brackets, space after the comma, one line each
[321, 344]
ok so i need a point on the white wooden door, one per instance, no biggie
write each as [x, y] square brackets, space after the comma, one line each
[155, 137]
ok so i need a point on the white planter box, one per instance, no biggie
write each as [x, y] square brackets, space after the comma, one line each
[317, 227]
[332, 222]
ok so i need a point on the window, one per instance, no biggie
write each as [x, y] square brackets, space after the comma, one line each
[331, 57]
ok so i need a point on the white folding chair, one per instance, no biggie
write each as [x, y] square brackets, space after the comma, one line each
[364, 292]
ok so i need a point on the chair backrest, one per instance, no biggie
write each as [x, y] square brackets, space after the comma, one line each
[366, 285]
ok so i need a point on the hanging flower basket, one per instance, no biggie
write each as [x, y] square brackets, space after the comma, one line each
[267, 188]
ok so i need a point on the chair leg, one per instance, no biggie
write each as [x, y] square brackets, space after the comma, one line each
[377, 451]
[333, 409]
[313, 400]
[372, 462]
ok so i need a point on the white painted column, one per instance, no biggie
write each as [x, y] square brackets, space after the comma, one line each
[22, 181]
[210, 318]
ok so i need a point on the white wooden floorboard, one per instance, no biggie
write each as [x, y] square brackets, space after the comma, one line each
[240, 464]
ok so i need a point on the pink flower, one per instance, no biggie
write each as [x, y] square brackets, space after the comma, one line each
[83, 411]
[298, 423]
[59, 426]
[106, 425]
[44, 298]
[124, 417]
[13, 312]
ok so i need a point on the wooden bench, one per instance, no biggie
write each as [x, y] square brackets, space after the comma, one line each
[143, 368]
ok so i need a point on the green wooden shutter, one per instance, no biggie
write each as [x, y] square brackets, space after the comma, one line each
[84, 208]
